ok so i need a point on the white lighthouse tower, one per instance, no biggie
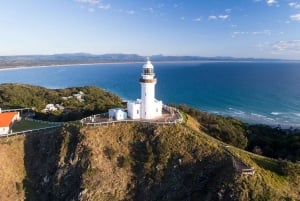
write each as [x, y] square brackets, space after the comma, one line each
[147, 107]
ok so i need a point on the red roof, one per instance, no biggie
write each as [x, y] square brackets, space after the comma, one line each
[6, 118]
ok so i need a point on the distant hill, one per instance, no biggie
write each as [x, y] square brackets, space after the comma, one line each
[84, 58]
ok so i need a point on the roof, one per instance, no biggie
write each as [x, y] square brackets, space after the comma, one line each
[6, 118]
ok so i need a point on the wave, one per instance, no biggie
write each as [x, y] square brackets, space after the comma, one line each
[297, 114]
[276, 113]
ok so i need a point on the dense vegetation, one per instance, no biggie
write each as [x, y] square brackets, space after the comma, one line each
[260, 139]
[95, 100]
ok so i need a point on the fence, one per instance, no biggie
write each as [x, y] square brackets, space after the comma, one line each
[239, 165]
[29, 131]
[171, 110]
[45, 122]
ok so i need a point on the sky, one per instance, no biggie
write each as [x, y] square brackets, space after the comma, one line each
[237, 28]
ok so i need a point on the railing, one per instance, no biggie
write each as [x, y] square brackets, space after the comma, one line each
[239, 165]
[171, 110]
[45, 122]
[29, 131]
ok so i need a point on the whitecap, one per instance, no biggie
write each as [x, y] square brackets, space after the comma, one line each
[258, 115]
[276, 113]
[297, 114]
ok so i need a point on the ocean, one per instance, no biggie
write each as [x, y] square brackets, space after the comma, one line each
[255, 92]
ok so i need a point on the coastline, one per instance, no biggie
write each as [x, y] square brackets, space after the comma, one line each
[139, 62]
[63, 65]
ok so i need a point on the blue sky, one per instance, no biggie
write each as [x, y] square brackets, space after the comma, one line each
[238, 28]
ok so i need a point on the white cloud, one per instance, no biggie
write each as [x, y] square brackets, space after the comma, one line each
[294, 4]
[212, 17]
[291, 46]
[254, 33]
[92, 5]
[271, 2]
[228, 10]
[89, 1]
[150, 10]
[197, 19]
[220, 17]
[295, 17]
[223, 17]
[104, 6]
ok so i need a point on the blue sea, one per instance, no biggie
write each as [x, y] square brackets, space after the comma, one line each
[255, 92]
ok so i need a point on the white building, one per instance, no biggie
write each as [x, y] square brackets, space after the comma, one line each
[117, 113]
[6, 121]
[147, 107]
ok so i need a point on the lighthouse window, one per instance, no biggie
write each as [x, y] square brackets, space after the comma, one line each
[137, 112]
[148, 71]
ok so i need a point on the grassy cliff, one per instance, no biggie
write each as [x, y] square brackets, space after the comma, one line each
[136, 162]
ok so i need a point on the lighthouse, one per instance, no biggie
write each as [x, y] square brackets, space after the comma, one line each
[147, 107]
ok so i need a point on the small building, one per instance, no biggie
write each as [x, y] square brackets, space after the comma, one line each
[79, 96]
[134, 109]
[49, 108]
[7, 119]
[117, 113]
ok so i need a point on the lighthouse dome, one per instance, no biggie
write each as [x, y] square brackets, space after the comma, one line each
[148, 64]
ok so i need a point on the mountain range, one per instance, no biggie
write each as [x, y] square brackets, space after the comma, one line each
[85, 58]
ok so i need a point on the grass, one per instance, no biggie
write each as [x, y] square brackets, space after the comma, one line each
[24, 125]
[12, 168]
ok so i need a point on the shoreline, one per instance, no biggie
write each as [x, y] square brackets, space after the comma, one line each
[134, 62]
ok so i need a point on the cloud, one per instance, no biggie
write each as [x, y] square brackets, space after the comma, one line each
[294, 4]
[220, 17]
[89, 1]
[254, 33]
[212, 17]
[92, 5]
[223, 17]
[104, 7]
[295, 17]
[197, 19]
[271, 2]
[228, 10]
[290, 46]
[150, 10]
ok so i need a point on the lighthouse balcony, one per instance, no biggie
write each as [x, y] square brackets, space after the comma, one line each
[144, 80]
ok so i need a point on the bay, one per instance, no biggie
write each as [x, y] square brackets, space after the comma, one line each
[255, 92]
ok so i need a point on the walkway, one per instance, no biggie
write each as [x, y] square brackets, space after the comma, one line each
[239, 165]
